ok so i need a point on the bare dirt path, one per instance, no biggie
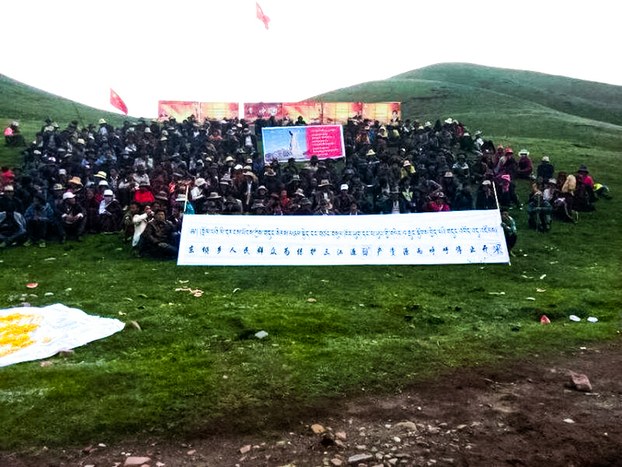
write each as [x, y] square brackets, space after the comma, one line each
[525, 413]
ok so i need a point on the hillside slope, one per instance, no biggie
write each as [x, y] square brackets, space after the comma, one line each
[503, 103]
[596, 101]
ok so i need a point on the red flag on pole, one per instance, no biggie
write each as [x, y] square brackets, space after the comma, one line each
[117, 102]
[261, 16]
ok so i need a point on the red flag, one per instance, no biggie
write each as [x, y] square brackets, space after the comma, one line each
[260, 15]
[117, 102]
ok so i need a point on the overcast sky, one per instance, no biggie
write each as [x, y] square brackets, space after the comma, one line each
[218, 51]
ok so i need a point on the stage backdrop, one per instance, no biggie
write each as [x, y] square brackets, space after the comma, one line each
[302, 142]
[313, 113]
[425, 238]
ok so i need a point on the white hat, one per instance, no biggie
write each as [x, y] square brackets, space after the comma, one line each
[108, 193]
[68, 195]
[344, 186]
[103, 183]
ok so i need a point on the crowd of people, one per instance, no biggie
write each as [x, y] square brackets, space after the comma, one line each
[140, 179]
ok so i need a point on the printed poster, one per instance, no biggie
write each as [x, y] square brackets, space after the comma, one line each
[302, 142]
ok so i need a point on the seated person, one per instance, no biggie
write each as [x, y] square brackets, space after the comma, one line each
[485, 196]
[525, 165]
[127, 224]
[12, 228]
[437, 203]
[506, 191]
[160, 238]
[110, 213]
[39, 217]
[140, 220]
[73, 217]
[562, 201]
[12, 136]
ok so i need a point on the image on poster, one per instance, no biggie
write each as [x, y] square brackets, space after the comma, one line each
[218, 110]
[265, 110]
[179, 110]
[340, 112]
[382, 111]
[302, 142]
[311, 112]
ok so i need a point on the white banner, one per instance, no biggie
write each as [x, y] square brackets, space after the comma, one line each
[29, 333]
[424, 238]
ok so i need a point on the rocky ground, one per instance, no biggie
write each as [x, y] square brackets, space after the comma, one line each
[536, 412]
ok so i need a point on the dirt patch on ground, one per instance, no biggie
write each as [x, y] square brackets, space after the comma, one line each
[525, 413]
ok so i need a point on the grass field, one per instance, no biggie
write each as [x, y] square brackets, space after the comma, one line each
[194, 367]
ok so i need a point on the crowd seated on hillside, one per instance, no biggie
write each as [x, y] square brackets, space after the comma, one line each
[141, 178]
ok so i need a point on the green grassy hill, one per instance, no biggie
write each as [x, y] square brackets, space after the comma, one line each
[31, 106]
[505, 104]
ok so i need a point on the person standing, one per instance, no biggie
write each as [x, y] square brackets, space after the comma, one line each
[509, 230]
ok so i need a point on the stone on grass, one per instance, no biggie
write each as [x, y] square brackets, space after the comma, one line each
[355, 459]
[136, 460]
[580, 382]
[317, 428]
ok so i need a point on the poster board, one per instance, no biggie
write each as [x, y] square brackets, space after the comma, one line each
[302, 142]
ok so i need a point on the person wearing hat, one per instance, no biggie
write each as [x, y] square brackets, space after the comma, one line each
[247, 189]
[581, 186]
[103, 127]
[12, 227]
[101, 175]
[74, 184]
[461, 169]
[8, 200]
[507, 164]
[214, 203]
[524, 168]
[39, 217]
[110, 213]
[160, 238]
[506, 192]
[343, 200]
[485, 198]
[437, 203]
[324, 208]
[324, 191]
[544, 171]
[449, 186]
[73, 217]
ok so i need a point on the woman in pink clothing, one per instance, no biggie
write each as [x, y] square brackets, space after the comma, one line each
[438, 203]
